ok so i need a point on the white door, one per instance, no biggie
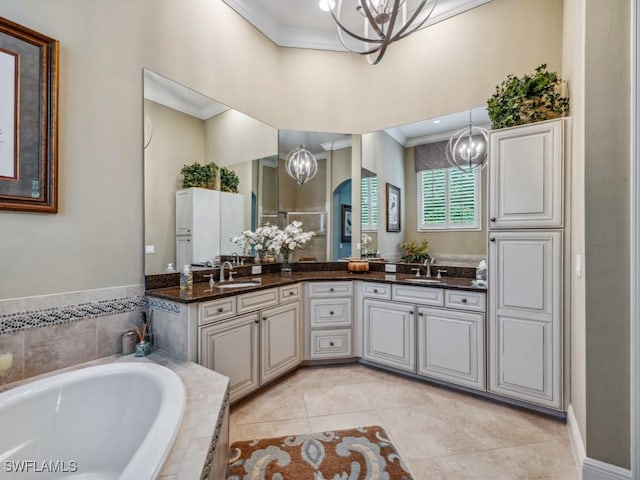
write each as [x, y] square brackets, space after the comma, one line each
[231, 348]
[280, 340]
[389, 334]
[526, 176]
[184, 212]
[184, 255]
[451, 346]
[525, 316]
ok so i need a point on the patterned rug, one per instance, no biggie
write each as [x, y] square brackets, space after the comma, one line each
[364, 453]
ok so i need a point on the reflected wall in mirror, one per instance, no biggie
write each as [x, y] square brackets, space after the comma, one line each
[318, 203]
[183, 127]
[439, 201]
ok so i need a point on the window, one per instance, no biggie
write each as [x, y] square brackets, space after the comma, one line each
[448, 199]
[369, 202]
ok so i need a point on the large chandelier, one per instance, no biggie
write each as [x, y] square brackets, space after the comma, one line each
[467, 148]
[301, 165]
[368, 27]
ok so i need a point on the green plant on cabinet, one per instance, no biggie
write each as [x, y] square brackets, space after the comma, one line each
[199, 175]
[229, 180]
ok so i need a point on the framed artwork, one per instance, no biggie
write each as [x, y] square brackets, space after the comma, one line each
[28, 119]
[345, 230]
[393, 208]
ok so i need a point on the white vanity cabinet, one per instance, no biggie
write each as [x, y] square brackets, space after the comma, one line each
[329, 320]
[389, 334]
[526, 179]
[256, 346]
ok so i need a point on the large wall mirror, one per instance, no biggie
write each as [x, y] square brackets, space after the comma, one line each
[389, 158]
[183, 127]
[196, 225]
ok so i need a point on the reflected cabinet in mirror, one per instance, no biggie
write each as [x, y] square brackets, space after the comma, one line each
[438, 204]
[191, 218]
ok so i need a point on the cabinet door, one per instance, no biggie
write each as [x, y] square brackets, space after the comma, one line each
[184, 212]
[231, 348]
[184, 255]
[526, 176]
[525, 316]
[280, 341]
[389, 334]
[451, 346]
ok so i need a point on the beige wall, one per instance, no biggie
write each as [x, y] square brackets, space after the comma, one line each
[573, 72]
[178, 140]
[233, 137]
[463, 243]
[384, 156]
[607, 202]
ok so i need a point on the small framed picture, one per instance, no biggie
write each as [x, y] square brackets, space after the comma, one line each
[393, 208]
[345, 230]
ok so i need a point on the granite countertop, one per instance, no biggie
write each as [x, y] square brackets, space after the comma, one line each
[202, 292]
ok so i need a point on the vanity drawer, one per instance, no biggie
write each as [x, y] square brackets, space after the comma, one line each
[217, 310]
[419, 295]
[249, 302]
[330, 312]
[326, 289]
[465, 300]
[377, 290]
[290, 293]
[330, 344]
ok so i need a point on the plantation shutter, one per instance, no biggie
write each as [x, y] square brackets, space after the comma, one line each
[434, 197]
[369, 202]
[462, 197]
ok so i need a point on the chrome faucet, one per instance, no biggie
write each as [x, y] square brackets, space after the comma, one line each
[222, 270]
[236, 258]
[428, 264]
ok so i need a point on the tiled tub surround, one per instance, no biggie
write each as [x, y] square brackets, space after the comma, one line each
[51, 332]
[201, 447]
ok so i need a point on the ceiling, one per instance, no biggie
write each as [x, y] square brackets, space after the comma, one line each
[301, 23]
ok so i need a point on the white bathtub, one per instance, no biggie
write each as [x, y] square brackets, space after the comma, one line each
[114, 421]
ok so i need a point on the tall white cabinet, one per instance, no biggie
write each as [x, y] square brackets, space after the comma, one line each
[206, 222]
[526, 243]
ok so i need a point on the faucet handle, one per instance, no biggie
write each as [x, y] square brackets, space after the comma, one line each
[417, 270]
[440, 272]
[231, 272]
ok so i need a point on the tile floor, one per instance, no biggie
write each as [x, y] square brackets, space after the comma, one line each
[440, 434]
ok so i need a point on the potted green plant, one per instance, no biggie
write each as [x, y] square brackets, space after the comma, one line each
[414, 252]
[527, 99]
[229, 180]
[199, 175]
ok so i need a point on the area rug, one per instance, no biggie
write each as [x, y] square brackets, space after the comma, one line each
[364, 453]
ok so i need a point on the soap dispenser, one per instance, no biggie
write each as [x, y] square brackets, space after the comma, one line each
[186, 278]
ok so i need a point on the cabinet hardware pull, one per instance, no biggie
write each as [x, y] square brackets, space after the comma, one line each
[410, 312]
[492, 239]
[375, 290]
[331, 312]
[331, 289]
[264, 318]
[421, 314]
[463, 300]
[291, 292]
[331, 344]
[256, 320]
[220, 309]
[493, 219]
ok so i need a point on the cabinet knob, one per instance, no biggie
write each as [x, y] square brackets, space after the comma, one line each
[220, 309]
[410, 312]
[331, 289]
[256, 320]
[375, 290]
[291, 292]
[493, 219]
[331, 344]
[492, 239]
[331, 312]
[264, 318]
[421, 314]
[463, 300]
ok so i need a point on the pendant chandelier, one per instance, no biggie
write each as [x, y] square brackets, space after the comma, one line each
[368, 27]
[301, 165]
[467, 148]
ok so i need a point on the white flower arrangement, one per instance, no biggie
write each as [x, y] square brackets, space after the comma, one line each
[260, 240]
[290, 239]
[366, 240]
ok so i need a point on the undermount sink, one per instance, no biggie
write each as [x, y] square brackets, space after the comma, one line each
[423, 280]
[237, 284]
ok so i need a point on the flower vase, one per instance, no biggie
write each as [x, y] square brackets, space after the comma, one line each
[285, 266]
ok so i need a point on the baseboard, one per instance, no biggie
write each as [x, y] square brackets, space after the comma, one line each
[596, 470]
[577, 445]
